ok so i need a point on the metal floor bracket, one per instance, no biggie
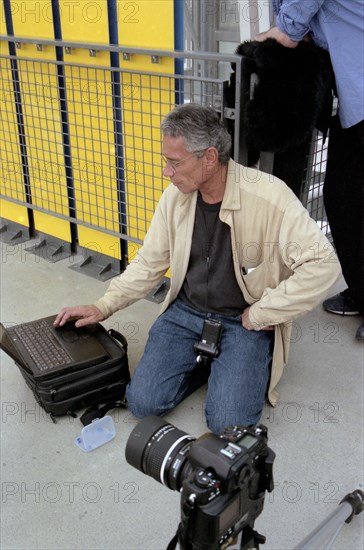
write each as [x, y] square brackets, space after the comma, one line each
[98, 266]
[13, 233]
[50, 249]
[158, 293]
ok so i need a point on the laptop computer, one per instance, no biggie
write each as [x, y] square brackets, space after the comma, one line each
[43, 350]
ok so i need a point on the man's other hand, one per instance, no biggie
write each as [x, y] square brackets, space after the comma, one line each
[278, 35]
[85, 315]
[245, 320]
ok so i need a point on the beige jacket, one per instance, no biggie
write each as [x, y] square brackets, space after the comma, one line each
[283, 263]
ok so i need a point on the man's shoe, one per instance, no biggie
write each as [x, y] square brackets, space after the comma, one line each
[360, 333]
[341, 304]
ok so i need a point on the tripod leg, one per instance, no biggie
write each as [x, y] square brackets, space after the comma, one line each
[328, 530]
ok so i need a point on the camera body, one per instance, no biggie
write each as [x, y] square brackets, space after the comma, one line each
[224, 492]
[222, 479]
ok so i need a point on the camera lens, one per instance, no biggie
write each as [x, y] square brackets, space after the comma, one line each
[159, 450]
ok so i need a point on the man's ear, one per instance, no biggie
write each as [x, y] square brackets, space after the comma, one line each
[212, 156]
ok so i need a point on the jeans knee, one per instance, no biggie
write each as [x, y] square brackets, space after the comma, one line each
[141, 405]
[214, 425]
[140, 410]
[218, 426]
[217, 421]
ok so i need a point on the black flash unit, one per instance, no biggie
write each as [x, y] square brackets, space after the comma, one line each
[208, 346]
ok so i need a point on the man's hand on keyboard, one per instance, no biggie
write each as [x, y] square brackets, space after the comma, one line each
[85, 315]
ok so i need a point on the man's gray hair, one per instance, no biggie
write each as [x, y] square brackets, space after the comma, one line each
[201, 127]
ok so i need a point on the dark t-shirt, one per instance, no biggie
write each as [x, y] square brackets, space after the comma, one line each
[210, 284]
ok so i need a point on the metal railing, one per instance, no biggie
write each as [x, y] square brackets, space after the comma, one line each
[82, 140]
[81, 133]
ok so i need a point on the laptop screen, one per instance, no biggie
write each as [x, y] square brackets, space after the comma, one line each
[6, 345]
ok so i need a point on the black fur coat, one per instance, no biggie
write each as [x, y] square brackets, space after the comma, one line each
[293, 94]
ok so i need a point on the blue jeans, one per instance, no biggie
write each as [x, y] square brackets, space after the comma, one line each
[167, 373]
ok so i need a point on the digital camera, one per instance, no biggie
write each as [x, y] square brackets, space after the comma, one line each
[222, 479]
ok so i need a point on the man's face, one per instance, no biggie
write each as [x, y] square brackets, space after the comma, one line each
[182, 167]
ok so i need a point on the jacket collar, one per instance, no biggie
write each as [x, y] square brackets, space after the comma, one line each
[231, 200]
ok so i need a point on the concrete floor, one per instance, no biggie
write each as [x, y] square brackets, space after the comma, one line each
[54, 496]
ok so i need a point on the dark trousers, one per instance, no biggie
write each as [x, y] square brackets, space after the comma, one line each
[344, 203]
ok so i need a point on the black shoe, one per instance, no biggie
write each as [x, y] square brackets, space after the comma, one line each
[341, 304]
[360, 333]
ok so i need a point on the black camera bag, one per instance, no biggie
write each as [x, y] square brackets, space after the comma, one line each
[100, 387]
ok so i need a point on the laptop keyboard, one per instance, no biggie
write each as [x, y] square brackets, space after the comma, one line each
[39, 341]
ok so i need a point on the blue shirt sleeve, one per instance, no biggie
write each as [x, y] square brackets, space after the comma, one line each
[337, 26]
[294, 16]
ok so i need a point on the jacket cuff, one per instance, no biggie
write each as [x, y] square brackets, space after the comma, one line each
[100, 304]
[257, 320]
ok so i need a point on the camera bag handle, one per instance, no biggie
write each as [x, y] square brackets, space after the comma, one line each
[119, 338]
[98, 411]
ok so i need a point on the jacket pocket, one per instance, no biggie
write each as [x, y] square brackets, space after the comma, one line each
[257, 279]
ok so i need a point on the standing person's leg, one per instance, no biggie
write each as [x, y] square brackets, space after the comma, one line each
[344, 203]
[239, 377]
[167, 373]
[359, 129]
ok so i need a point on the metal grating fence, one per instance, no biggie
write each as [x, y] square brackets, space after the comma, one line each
[81, 145]
[312, 196]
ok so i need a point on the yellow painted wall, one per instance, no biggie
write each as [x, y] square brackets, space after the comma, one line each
[11, 170]
[42, 117]
[146, 100]
[90, 116]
